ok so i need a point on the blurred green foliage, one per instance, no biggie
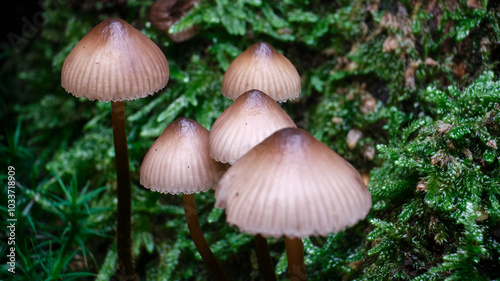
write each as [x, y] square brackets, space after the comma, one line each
[405, 90]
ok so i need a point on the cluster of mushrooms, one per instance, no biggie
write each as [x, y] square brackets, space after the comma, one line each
[272, 178]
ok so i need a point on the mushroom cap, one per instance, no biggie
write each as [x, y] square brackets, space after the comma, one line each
[250, 119]
[262, 67]
[114, 62]
[178, 161]
[294, 185]
[164, 13]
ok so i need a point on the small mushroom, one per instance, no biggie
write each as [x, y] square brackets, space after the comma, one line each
[295, 186]
[250, 119]
[263, 68]
[178, 162]
[164, 13]
[116, 62]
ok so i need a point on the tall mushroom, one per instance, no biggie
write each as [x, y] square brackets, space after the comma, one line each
[263, 68]
[178, 162]
[116, 62]
[292, 185]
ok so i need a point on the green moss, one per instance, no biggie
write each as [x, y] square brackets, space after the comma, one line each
[436, 196]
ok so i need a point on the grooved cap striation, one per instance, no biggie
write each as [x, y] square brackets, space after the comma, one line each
[114, 62]
[178, 161]
[292, 185]
[250, 119]
[263, 68]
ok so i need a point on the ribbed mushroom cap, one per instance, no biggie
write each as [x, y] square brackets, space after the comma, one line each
[164, 13]
[250, 119]
[294, 185]
[178, 161]
[114, 62]
[263, 68]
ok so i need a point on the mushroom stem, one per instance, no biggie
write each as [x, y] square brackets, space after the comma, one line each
[123, 232]
[199, 240]
[295, 257]
[264, 258]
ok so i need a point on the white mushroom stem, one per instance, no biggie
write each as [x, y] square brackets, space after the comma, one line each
[295, 257]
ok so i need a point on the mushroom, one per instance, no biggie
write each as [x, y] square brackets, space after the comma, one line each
[116, 62]
[263, 68]
[250, 119]
[295, 186]
[164, 13]
[178, 162]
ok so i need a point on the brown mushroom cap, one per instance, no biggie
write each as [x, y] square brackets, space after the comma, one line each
[164, 13]
[294, 185]
[250, 119]
[263, 68]
[178, 161]
[114, 62]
